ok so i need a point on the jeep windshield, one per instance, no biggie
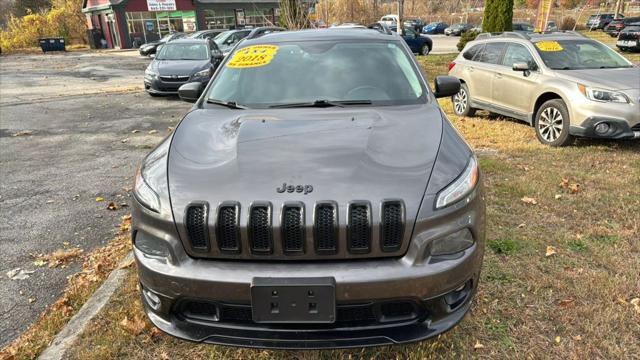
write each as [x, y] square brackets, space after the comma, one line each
[319, 74]
[579, 55]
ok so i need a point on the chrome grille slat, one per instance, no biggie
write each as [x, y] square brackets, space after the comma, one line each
[359, 228]
[228, 228]
[260, 232]
[326, 228]
[196, 223]
[392, 225]
[292, 225]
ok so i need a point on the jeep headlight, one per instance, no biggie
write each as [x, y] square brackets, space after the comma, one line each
[461, 187]
[144, 193]
[151, 180]
[602, 95]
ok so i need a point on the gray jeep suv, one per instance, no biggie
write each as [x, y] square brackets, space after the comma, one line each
[563, 84]
[315, 196]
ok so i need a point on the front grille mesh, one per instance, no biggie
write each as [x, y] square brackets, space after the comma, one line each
[293, 229]
[326, 228]
[375, 229]
[227, 231]
[260, 229]
[196, 223]
[359, 228]
[392, 225]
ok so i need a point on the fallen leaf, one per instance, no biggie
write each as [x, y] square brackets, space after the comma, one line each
[557, 339]
[550, 251]
[23, 133]
[99, 199]
[151, 132]
[32, 300]
[577, 338]
[170, 128]
[636, 304]
[574, 188]
[135, 326]
[40, 263]
[135, 131]
[19, 274]
[565, 302]
[522, 225]
[112, 206]
[156, 333]
[564, 183]
[529, 200]
[125, 140]
[128, 264]
[61, 257]
[558, 196]
[50, 201]
[478, 345]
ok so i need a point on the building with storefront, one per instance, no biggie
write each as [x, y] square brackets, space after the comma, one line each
[130, 23]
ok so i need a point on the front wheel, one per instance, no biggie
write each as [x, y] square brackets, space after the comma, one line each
[425, 50]
[462, 102]
[552, 124]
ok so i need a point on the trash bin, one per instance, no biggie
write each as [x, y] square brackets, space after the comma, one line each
[52, 44]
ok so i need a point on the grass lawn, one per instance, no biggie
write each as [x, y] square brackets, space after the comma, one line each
[576, 303]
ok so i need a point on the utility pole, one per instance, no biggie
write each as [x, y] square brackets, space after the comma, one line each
[617, 10]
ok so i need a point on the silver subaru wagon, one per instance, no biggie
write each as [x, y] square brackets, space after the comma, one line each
[562, 83]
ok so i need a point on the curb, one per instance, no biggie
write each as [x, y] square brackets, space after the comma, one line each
[72, 330]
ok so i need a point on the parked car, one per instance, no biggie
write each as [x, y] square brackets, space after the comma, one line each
[389, 20]
[616, 25]
[284, 212]
[181, 61]
[551, 26]
[457, 29]
[522, 27]
[264, 30]
[419, 44]
[563, 84]
[228, 39]
[434, 28]
[599, 21]
[415, 24]
[151, 48]
[206, 34]
[629, 38]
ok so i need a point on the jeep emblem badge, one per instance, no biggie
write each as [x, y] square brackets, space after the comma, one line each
[304, 189]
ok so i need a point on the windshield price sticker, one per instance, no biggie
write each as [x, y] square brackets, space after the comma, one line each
[549, 46]
[253, 56]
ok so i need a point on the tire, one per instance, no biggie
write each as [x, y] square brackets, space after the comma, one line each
[154, 94]
[462, 102]
[552, 124]
[425, 50]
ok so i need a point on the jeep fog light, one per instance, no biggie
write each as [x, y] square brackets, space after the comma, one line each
[452, 243]
[150, 245]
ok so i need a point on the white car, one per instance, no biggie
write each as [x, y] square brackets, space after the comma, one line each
[389, 20]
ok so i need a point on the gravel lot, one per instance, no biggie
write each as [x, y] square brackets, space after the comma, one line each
[74, 115]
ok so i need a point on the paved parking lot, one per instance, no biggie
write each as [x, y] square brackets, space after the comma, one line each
[66, 137]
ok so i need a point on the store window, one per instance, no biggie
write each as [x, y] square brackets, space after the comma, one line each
[220, 19]
[146, 26]
[259, 17]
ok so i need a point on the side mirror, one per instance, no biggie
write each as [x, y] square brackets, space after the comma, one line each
[217, 55]
[190, 92]
[153, 56]
[521, 66]
[446, 86]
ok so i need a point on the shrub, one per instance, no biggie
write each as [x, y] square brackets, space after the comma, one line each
[465, 38]
[498, 16]
[567, 23]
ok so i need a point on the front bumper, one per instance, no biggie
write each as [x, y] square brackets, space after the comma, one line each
[427, 282]
[623, 119]
[156, 85]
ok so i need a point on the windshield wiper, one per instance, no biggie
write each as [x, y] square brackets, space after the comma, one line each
[323, 104]
[229, 104]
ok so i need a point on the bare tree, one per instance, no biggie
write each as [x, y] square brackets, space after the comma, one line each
[294, 14]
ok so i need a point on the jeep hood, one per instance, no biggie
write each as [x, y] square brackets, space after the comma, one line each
[345, 154]
[610, 79]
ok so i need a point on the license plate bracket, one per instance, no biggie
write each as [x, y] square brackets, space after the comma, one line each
[293, 300]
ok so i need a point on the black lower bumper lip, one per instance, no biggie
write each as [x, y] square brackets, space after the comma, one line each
[243, 336]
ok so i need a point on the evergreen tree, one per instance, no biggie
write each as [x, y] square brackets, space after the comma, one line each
[498, 16]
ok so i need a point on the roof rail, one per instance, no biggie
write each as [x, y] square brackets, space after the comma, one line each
[508, 34]
[567, 32]
[381, 27]
[263, 30]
